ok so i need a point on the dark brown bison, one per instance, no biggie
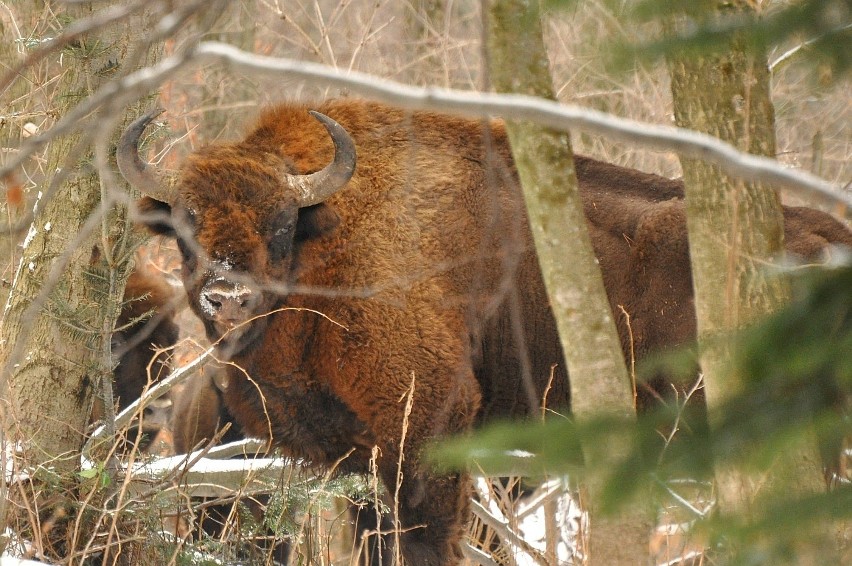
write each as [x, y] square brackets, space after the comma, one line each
[145, 326]
[199, 413]
[342, 290]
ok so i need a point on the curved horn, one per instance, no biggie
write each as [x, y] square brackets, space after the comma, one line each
[138, 173]
[317, 187]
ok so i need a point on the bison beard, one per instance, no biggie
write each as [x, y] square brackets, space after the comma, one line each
[333, 287]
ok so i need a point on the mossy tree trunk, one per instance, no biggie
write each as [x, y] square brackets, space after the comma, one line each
[736, 236]
[600, 384]
[54, 353]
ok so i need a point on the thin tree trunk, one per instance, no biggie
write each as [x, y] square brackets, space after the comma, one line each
[736, 236]
[54, 354]
[599, 380]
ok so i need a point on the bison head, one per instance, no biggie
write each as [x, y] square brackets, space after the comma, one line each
[240, 214]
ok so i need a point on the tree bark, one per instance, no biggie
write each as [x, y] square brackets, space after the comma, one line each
[16, 122]
[54, 353]
[600, 383]
[735, 236]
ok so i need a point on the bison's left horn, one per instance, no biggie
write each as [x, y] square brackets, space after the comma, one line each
[137, 172]
[317, 187]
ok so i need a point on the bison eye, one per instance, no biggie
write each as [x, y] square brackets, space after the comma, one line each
[281, 242]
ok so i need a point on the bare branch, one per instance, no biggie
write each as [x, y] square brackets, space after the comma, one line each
[554, 114]
[74, 31]
[212, 478]
[804, 45]
[125, 90]
[467, 103]
[502, 527]
[477, 556]
[174, 378]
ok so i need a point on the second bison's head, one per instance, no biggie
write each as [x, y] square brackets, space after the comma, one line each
[240, 214]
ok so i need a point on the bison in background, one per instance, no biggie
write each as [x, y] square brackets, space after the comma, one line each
[145, 327]
[341, 290]
[199, 413]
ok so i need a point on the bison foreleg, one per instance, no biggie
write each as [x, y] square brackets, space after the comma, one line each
[431, 508]
[432, 514]
[306, 422]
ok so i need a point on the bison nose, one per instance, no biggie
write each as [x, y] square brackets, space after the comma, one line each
[157, 414]
[228, 303]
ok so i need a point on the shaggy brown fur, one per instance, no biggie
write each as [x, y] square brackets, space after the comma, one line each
[418, 276]
[199, 412]
[143, 328]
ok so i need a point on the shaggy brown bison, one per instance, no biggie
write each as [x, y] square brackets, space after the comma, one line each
[144, 327]
[390, 301]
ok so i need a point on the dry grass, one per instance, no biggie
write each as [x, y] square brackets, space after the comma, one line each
[394, 40]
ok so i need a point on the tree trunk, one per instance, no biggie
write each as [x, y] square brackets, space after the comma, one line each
[735, 236]
[599, 380]
[54, 352]
[18, 119]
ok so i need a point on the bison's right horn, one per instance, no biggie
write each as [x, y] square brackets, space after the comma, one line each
[137, 172]
[317, 187]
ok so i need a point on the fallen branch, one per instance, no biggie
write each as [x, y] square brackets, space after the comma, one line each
[124, 418]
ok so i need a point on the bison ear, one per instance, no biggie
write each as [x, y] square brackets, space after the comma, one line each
[156, 216]
[315, 221]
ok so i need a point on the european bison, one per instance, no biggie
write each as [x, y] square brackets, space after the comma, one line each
[144, 327]
[198, 411]
[340, 290]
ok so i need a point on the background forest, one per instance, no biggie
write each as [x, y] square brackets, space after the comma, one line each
[64, 69]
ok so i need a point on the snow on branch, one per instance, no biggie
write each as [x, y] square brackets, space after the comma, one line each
[546, 112]
[176, 377]
[211, 477]
[468, 103]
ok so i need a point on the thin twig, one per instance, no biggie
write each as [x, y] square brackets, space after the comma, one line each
[502, 528]
[545, 112]
[176, 377]
[793, 50]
